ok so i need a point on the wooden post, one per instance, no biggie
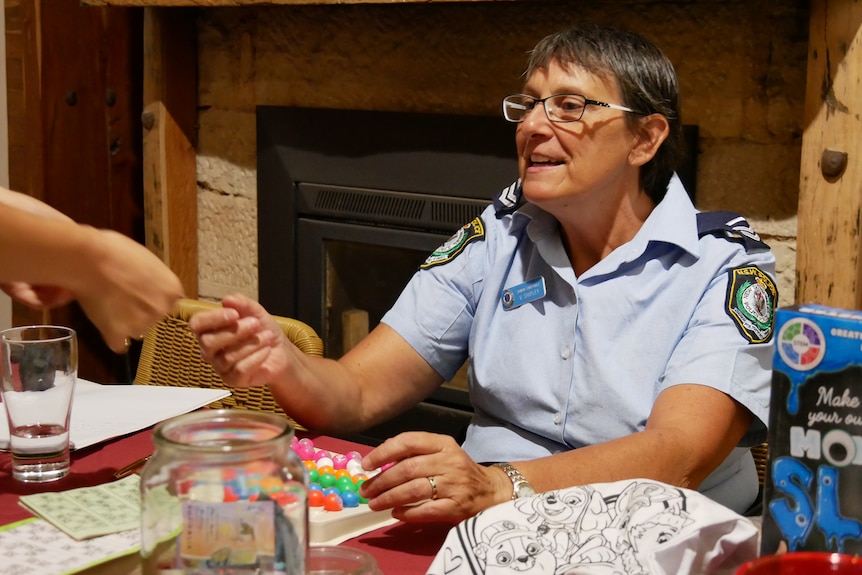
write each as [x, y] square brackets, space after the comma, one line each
[169, 119]
[355, 326]
[829, 238]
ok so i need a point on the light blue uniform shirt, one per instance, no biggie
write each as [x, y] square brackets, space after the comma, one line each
[585, 363]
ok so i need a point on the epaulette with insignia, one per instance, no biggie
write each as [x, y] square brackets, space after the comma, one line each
[509, 200]
[730, 226]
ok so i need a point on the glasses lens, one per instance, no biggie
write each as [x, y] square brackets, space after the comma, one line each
[565, 107]
[516, 107]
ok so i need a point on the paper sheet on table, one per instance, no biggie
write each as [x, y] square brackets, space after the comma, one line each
[631, 526]
[35, 547]
[102, 412]
[87, 512]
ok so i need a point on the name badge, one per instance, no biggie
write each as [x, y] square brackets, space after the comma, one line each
[523, 293]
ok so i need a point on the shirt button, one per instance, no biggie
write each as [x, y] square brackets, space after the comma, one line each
[566, 353]
[557, 418]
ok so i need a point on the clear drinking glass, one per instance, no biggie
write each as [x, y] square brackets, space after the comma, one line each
[39, 370]
[224, 493]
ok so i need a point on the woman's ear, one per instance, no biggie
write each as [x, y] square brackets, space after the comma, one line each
[650, 133]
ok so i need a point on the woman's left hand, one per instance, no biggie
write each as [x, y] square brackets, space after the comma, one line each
[428, 477]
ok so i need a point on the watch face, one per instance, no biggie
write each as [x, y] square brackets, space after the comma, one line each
[525, 490]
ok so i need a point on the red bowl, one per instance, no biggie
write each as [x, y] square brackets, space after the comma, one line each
[803, 563]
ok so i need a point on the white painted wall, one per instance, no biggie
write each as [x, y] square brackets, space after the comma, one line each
[5, 302]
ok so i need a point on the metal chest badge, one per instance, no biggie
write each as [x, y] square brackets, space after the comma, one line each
[523, 293]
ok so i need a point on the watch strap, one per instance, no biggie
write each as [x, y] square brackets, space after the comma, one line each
[520, 486]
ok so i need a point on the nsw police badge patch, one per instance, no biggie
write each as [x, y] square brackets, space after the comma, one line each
[475, 230]
[751, 299]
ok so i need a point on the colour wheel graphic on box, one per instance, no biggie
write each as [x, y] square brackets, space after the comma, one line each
[801, 344]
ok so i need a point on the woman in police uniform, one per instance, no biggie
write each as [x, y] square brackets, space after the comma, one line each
[612, 330]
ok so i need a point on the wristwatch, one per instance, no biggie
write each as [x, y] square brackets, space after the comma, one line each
[520, 486]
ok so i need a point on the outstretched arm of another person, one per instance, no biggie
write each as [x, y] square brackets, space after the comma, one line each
[37, 296]
[47, 260]
[380, 377]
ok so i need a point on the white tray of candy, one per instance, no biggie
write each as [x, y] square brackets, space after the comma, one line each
[336, 512]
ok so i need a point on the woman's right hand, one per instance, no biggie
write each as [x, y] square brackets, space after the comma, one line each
[242, 342]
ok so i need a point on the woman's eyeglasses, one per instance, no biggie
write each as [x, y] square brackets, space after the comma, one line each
[558, 108]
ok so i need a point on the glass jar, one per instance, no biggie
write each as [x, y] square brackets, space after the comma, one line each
[224, 493]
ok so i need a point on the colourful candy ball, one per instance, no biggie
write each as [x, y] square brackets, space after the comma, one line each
[327, 479]
[304, 452]
[345, 483]
[350, 499]
[354, 466]
[333, 502]
[315, 498]
[339, 461]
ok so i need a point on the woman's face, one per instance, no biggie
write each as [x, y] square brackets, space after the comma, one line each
[566, 163]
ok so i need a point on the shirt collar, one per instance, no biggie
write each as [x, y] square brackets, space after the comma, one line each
[672, 221]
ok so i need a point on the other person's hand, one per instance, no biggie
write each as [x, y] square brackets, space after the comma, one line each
[39, 297]
[128, 288]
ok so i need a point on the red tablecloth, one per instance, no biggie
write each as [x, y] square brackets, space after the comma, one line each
[400, 549]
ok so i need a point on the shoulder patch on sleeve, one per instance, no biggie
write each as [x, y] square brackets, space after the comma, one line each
[509, 199]
[730, 226]
[751, 301]
[475, 230]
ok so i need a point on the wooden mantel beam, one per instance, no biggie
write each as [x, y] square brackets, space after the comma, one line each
[169, 119]
[829, 236]
[233, 3]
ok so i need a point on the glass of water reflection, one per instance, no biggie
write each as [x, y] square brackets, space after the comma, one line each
[39, 369]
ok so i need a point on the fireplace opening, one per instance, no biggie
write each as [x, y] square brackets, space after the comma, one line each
[351, 202]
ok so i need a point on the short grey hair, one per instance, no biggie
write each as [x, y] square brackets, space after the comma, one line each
[645, 76]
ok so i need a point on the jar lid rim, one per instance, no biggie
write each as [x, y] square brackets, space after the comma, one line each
[269, 428]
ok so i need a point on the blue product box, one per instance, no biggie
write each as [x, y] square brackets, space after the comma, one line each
[813, 492]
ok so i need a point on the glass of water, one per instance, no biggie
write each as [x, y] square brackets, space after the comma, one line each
[39, 369]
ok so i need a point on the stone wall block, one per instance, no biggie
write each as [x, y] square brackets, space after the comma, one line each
[227, 231]
[768, 174]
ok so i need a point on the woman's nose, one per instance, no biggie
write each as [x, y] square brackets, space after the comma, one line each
[537, 111]
[535, 121]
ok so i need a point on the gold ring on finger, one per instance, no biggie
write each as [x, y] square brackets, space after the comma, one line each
[433, 483]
